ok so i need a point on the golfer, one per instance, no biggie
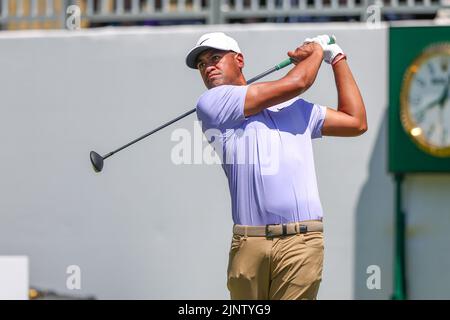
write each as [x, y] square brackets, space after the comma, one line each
[263, 133]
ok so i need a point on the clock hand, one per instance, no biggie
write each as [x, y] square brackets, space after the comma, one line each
[440, 101]
[421, 114]
[444, 97]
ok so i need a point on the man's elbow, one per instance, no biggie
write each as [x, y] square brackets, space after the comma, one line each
[361, 126]
[358, 128]
[361, 129]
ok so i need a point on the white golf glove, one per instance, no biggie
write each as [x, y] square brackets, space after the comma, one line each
[330, 51]
[322, 40]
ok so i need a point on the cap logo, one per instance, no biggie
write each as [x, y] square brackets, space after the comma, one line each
[203, 41]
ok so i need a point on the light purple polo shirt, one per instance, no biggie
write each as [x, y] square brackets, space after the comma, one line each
[267, 157]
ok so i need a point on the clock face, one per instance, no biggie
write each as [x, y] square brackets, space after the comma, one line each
[425, 101]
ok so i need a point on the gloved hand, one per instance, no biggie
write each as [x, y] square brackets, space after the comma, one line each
[323, 40]
[330, 51]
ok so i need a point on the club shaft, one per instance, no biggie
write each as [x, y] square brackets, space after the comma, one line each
[279, 66]
[150, 133]
[262, 75]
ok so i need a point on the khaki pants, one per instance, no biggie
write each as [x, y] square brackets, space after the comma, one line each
[287, 267]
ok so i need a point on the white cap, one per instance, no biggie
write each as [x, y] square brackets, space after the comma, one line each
[215, 40]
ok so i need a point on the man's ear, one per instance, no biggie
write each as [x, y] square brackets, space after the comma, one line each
[240, 59]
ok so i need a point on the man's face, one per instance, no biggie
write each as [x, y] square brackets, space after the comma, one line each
[218, 67]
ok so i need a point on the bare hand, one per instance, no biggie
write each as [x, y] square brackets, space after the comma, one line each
[304, 51]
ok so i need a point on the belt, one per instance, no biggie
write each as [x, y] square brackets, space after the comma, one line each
[276, 230]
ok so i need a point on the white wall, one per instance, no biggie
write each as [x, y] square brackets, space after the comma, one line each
[146, 228]
[14, 278]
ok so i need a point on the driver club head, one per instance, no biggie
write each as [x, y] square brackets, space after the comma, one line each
[97, 161]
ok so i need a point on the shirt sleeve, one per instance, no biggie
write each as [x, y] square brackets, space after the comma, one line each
[222, 107]
[316, 118]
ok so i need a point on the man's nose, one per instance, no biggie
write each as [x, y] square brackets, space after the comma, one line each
[209, 68]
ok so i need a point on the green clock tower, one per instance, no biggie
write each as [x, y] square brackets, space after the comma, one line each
[419, 116]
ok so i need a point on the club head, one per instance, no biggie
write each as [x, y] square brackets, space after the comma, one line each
[97, 161]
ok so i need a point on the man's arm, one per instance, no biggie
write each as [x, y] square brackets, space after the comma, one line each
[350, 118]
[307, 60]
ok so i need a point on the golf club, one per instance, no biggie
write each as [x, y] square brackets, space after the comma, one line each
[97, 160]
